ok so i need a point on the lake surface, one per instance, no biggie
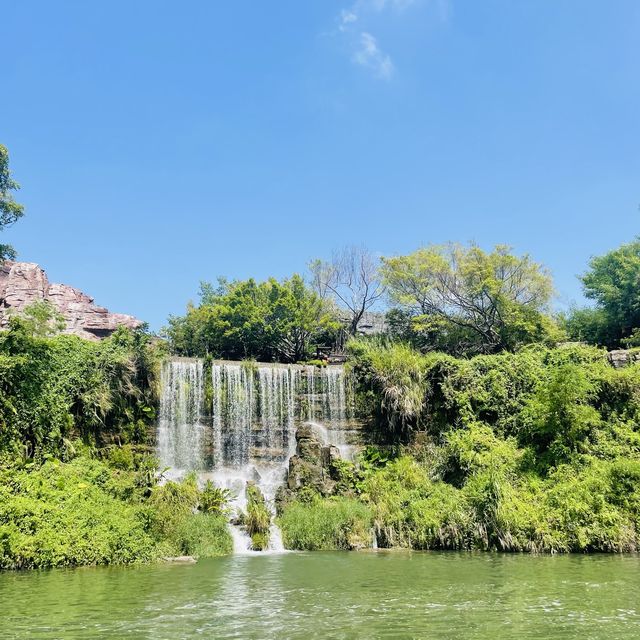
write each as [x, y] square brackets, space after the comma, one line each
[332, 595]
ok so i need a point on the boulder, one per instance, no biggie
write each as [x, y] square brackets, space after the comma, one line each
[312, 465]
[22, 283]
[623, 357]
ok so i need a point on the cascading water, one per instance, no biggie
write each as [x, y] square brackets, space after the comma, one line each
[254, 412]
[180, 428]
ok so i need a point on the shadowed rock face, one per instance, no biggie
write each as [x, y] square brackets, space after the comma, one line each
[22, 283]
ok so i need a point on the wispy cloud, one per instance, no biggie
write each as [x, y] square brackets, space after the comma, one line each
[347, 17]
[370, 56]
[366, 50]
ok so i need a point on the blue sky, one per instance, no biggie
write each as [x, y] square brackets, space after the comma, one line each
[159, 144]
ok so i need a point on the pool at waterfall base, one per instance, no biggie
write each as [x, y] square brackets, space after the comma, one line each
[332, 595]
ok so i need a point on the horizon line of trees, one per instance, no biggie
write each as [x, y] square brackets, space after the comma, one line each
[452, 298]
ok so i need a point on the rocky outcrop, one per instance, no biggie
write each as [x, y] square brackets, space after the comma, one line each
[312, 465]
[22, 283]
[623, 357]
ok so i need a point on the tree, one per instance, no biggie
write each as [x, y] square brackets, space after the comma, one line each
[613, 282]
[472, 301]
[269, 321]
[352, 280]
[10, 210]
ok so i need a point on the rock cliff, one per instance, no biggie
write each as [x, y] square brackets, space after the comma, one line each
[22, 283]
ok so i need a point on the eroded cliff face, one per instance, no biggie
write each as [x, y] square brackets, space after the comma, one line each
[22, 283]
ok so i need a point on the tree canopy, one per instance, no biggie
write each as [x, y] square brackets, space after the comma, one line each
[613, 283]
[471, 301]
[10, 210]
[268, 321]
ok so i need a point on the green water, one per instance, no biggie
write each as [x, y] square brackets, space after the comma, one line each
[332, 595]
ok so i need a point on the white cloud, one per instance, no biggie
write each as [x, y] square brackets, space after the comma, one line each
[369, 55]
[364, 45]
[347, 16]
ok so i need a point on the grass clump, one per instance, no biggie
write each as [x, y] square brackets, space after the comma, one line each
[257, 519]
[326, 524]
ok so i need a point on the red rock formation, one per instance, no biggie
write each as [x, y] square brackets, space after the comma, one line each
[22, 283]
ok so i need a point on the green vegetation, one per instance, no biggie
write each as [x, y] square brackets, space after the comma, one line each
[464, 301]
[77, 482]
[316, 524]
[183, 522]
[267, 321]
[612, 282]
[537, 450]
[71, 513]
[10, 210]
[257, 519]
[54, 389]
[100, 511]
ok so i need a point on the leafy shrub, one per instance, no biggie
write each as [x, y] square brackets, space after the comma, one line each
[214, 500]
[64, 514]
[54, 389]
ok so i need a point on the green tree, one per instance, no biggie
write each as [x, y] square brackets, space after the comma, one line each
[10, 210]
[613, 282]
[478, 302]
[559, 416]
[269, 321]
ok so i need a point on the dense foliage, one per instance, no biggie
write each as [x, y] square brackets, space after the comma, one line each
[315, 524]
[613, 283]
[537, 450]
[257, 520]
[465, 301]
[54, 389]
[460, 300]
[77, 482]
[267, 321]
[101, 507]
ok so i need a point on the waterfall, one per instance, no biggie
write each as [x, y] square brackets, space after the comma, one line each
[334, 394]
[180, 429]
[251, 420]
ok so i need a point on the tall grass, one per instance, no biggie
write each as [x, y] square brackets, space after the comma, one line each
[335, 523]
